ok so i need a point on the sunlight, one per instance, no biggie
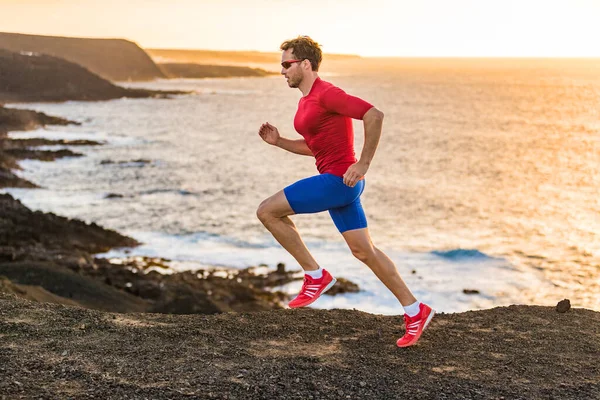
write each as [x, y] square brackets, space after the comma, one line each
[459, 28]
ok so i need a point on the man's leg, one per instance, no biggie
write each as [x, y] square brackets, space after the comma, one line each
[416, 315]
[273, 213]
[363, 249]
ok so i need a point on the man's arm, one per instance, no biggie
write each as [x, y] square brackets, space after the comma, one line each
[270, 134]
[373, 122]
[298, 146]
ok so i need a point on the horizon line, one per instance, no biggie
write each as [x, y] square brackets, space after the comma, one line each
[507, 57]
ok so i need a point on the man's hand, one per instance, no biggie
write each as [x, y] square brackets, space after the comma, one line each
[269, 133]
[355, 173]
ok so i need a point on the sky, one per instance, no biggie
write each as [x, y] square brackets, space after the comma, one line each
[402, 28]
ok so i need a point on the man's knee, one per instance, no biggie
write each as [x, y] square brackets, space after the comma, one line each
[363, 253]
[266, 211]
[262, 212]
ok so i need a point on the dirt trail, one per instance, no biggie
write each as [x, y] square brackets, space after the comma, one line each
[58, 351]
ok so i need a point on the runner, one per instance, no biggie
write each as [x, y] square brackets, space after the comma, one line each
[324, 120]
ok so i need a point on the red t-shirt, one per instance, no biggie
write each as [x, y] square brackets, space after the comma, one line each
[324, 119]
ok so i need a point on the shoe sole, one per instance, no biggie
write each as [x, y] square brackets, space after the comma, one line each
[329, 286]
[431, 314]
[427, 321]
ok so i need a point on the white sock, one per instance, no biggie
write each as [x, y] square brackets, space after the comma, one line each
[317, 274]
[413, 309]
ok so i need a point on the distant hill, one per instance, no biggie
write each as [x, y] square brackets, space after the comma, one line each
[112, 59]
[185, 70]
[247, 58]
[30, 77]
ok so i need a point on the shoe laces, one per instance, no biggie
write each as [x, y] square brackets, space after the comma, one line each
[409, 320]
[307, 281]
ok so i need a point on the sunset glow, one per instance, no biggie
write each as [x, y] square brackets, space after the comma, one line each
[457, 28]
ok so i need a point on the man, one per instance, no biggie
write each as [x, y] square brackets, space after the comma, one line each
[324, 119]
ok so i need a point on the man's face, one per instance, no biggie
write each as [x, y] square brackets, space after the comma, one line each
[294, 73]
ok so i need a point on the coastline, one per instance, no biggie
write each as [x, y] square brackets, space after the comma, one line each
[111, 332]
[48, 258]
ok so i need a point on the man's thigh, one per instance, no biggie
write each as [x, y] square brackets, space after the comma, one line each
[350, 217]
[276, 205]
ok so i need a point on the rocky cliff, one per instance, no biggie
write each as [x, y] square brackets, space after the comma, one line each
[112, 59]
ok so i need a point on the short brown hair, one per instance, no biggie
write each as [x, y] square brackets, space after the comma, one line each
[303, 47]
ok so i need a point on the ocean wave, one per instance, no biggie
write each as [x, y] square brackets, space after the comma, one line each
[463, 255]
[181, 192]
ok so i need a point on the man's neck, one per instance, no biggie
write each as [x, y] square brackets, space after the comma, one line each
[307, 83]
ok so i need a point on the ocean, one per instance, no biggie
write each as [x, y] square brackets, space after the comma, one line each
[487, 178]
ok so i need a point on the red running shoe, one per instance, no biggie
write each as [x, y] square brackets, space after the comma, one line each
[312, 289]
[416, 325]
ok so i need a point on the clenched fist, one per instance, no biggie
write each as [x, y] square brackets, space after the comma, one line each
[269, 133]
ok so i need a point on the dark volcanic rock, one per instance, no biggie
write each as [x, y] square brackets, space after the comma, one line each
[12, 119]
[66, 284]
[343, 285]
[205, 292]
[38, 235]
[563, 306]
[19, 144]
[39, 77]
[41, 155]
[112, 59]
[9, 179]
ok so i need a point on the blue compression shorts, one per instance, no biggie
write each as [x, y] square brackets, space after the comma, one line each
[328, 192]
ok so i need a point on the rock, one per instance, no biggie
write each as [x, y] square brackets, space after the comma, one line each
[563, 306]
[41, 155]
[470, 291]
[343, 285]
[148, 289]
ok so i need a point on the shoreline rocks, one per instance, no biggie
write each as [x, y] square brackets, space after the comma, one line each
[12, 150]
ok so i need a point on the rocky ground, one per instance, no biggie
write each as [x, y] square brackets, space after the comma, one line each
[52, 351]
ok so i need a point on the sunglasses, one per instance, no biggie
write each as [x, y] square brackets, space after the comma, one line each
[288, 63]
